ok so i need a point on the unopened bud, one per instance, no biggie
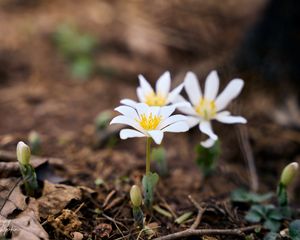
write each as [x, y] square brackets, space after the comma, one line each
[23, 153]
[135, 196]
[289, 173]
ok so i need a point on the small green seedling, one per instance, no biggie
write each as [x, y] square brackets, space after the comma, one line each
[243, 196]
[159, 155]
[102, 120]
[27, 171]
[270, 215]
[287, 176]
[77, 48]
[35, 142]
[136, 200]
[207, 157]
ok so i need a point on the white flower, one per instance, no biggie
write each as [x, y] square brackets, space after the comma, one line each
[162, 95]
[149, 121]
[208, 106]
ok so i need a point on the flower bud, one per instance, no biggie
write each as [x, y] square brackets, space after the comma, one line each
[135, 196]
[289, 173]
[23, 153]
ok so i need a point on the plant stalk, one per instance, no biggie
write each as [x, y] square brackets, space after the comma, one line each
[148, 151]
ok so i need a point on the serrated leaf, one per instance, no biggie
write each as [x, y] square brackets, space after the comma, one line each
[294, 229]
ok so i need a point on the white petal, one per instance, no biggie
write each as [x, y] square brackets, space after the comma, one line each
[140, 94]
[231, 91]
[208, 143]
[166, 111]
[211, 85]
[172, 119]
[230, 119]
[186, 109]
[125, 120]
[174, 93]
[192, 88]
[154, 110]
[206, 128]
[163, 84]
[130, 133]
[128, 102]
[181, 126]
[145, 86]
[224, 113]
[192, 121]
[156, 135]
[127, 111]
[182, 105]
[142, 108]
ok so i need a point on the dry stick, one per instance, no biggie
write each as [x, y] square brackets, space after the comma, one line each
[115, 222]
[201, 210]
[200, 232]
[245, 146]
[108, 197]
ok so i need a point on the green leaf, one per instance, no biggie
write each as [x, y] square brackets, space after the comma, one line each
[294, 229]
[159, 155]
[271, 236]
[82, 67]
[272, 225]
[275, 214]
[138, 216]
[241, 195]
[255, 214]
[207, 157]
[149, 183]
[282, 195]
[286, 212]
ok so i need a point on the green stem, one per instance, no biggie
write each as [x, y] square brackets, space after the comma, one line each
[148, 160]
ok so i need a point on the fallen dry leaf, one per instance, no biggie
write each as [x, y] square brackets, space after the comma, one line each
[11, 197]
[56, 197]
[26, 225]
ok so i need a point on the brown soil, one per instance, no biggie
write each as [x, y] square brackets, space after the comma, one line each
[37, 93]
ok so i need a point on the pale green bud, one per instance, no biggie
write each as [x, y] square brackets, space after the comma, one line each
[135, 196]
[289, 173]
[23, 153]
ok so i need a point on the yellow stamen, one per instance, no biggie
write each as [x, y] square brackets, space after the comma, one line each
[149, 123]
[206, 108]
[153, 99]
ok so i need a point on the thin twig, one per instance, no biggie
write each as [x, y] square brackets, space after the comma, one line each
[115, 222]
[108, 197]
[200, 232]
[201, 211]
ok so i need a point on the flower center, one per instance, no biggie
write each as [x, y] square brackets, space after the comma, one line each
[206, 108]
[153, 99]
[149, 123]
